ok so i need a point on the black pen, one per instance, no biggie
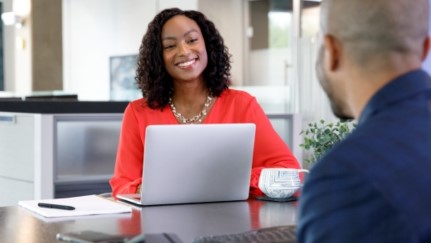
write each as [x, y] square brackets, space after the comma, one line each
[56, 206]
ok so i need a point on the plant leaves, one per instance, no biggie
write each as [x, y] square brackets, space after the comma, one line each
[320, 137]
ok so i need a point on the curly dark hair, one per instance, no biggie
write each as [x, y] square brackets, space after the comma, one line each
[151, 75]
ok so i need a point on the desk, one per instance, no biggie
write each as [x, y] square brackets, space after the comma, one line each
[187, 221]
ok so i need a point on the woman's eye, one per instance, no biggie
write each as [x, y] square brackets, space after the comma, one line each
[168, 47]
[193, 40]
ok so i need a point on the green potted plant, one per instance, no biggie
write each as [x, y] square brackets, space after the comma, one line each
[319, 137]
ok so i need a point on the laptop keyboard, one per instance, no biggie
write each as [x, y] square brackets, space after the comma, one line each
[285, 234]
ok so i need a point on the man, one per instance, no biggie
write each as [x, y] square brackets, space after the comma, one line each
[375, 186]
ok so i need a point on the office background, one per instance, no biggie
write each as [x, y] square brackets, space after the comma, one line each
[66, 45]
[69, 47]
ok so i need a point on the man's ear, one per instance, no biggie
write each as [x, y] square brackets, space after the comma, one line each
[332, 52]
[426, 47]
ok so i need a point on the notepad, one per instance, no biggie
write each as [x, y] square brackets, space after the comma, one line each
[84, 205]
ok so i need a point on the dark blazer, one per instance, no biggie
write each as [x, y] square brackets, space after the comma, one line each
[375, 186]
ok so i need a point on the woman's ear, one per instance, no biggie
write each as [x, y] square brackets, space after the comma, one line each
[332, 52]
[426, 47]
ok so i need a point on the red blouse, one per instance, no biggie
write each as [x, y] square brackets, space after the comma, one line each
[233, 106]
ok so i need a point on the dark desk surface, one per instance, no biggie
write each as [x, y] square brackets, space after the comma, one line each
[187, 221]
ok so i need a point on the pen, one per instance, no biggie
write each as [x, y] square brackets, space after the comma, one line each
[57, 206]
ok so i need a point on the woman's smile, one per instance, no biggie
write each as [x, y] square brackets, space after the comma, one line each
[187, 64]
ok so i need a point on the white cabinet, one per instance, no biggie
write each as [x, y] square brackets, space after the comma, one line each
[56, 155]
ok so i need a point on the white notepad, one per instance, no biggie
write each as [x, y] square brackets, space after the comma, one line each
[84, 205]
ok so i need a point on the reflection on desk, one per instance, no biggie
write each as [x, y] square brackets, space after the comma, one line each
[188, 221]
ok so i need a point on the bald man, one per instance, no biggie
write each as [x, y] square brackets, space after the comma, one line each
[375, 186]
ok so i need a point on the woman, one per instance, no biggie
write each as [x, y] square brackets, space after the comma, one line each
[183, 72]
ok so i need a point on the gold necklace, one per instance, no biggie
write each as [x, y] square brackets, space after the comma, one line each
[195, 119]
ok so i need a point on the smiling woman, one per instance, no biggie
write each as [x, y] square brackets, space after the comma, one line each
[184, 75]
[184, 52]
[193, 54]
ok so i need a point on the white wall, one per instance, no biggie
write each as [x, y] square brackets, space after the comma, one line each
[8, 51]
[313, 104]
[17, 58]
[93, 31]
[229, 21]
[183, 4]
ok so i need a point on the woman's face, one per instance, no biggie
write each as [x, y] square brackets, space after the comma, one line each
[184, 52]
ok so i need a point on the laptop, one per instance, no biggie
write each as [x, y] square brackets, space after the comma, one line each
[195, 164]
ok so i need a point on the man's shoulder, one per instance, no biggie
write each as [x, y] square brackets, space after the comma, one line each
[352, 185]
[377, 162]
[380, 146]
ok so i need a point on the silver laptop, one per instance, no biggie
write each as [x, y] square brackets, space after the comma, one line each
[195, 163]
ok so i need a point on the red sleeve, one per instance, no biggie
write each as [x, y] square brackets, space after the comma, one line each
[128, 166]
[269, 148]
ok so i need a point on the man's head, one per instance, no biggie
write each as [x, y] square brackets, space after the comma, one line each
[376, 39]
